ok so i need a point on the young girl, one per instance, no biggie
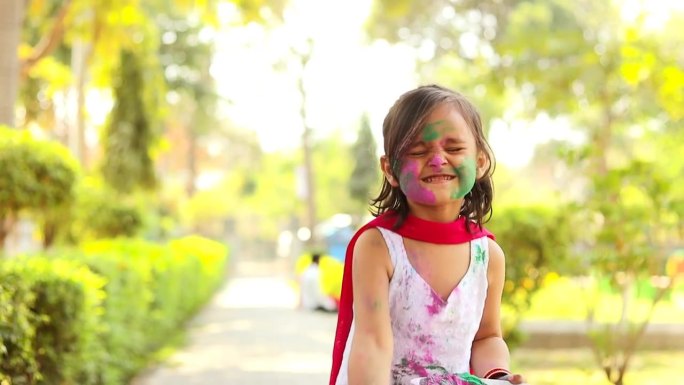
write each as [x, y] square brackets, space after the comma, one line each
[424, 278]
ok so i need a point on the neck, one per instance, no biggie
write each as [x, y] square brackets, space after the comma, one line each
[444, 214]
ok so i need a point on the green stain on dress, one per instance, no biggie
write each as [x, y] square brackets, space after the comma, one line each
[466, 178]
[471, 378]
[479, 254]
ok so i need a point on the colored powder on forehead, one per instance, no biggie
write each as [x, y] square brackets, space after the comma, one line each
[467, 174]
[430, 132]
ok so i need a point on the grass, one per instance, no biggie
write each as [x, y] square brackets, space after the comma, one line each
[577, 366]
[561, 298]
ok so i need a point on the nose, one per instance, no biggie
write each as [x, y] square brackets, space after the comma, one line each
[437, 161]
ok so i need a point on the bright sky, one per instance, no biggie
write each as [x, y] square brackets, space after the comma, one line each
[346, 76]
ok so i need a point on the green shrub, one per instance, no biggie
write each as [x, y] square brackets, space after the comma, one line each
[64, 310]
[94, 316]
[151, 291]
[34, 175]
[99, 213]
[126, 316]
[536, 240]
[17, 328]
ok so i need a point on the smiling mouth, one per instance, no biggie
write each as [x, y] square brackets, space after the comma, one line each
[438, 178]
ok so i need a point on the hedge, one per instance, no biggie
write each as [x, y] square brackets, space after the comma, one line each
[94, 315]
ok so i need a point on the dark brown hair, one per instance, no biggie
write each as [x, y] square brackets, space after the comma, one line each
[404, 122]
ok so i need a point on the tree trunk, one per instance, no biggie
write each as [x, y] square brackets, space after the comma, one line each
[79, 56]
[49, 233]
[306, 146]
[11, 20]
[6, 225]
[191, 159]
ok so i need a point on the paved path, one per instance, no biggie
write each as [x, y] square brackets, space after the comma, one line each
[252, 334]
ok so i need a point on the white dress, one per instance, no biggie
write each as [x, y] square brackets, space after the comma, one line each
[430, 334]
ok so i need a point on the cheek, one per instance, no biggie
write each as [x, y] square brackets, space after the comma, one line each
[467, 174]
[410, 183]
[408, 174]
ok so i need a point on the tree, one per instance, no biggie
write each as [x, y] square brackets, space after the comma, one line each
[186, 54]
[10, 31]
[129, 134]
[304, 57]
[100, 28]
[333, 159]
[618, 82]
[618, 85]
[364, 176]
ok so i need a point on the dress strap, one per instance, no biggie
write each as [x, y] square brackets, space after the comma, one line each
[395, 244]
[479, 254]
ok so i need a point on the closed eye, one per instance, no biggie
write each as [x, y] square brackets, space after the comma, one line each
[417, 150]
[454, 150]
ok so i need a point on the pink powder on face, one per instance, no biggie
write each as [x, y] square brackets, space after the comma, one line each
[409, 181]
[436, 162]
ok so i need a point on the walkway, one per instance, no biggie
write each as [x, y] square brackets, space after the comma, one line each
[251, 334]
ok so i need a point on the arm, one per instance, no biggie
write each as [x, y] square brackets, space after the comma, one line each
[371, 350]
[489, 348]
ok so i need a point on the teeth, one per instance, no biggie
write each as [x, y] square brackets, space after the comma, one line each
[438, 178]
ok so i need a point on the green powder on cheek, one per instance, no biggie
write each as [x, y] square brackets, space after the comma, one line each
[466, 178]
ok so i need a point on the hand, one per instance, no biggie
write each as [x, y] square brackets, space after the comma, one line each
[514, 378]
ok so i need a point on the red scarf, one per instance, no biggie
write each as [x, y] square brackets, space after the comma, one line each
[413, 228]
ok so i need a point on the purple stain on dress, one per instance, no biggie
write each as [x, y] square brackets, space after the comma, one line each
[437, 304]
[417, 368]
[428, 356]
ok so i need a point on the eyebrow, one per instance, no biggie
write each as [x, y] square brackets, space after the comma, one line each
[455, 140]
[421, 142]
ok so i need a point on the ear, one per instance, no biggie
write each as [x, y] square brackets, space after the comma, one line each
[482, 164]
[386, 167]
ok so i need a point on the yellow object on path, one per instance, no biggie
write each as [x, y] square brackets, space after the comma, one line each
[331, 273]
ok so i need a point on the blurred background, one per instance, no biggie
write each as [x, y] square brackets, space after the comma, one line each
[134, 134]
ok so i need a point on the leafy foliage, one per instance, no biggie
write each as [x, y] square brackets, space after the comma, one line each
[99, 214]
[35, 176]
[94, 316]
[130, 132]
[613, 78]
[365, 176]
[537, 241]
[16, 320]
[61, 322]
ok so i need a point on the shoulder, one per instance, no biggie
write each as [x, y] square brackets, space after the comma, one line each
[371, 250]
[497, 259]
[370, 240]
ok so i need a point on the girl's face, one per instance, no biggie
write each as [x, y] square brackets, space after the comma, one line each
[442, 164]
